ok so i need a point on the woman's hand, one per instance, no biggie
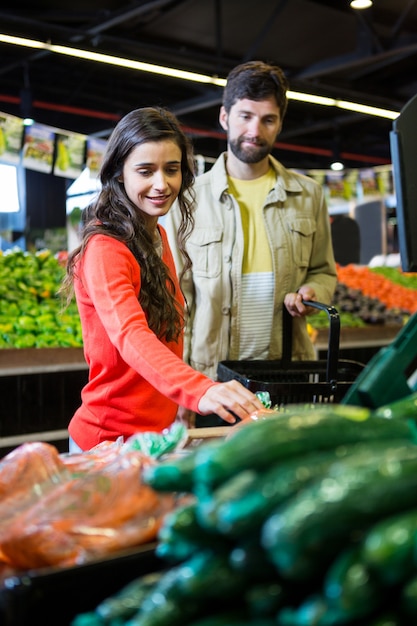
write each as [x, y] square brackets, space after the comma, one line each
[229, 401]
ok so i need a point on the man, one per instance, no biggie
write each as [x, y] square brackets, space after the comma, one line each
[261, 237]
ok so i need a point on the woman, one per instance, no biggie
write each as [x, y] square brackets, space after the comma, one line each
[128, 295]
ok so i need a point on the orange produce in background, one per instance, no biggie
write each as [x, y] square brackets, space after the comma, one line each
[375, 285]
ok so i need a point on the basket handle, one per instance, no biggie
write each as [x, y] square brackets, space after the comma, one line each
[334, 337]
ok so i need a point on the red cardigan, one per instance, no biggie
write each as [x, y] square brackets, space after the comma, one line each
[136, 381]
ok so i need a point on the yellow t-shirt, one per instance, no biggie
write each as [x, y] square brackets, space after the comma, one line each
[257, 294]
[251, 195]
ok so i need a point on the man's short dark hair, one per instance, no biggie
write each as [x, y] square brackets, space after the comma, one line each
[256, 80]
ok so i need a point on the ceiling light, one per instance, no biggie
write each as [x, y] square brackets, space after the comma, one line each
[307, 97]
[361, 4]
[337, 166]
[185, 75]
[368, 110]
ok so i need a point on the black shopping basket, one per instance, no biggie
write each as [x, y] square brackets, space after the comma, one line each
[295, 382]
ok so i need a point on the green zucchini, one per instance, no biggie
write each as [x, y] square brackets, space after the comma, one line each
[296, 432]
[232, 618]
[168, 613]
[408, 599]
[127, 601]
[313, 611]
[265, 599]
[350, 586]
[181, 535]
[303, 535]
[241, 505]
[185, 591]
[232, 490]
[88, 619]
[250, 559]
[389, 547]
[172, 474]
[386, 619]
[403, 408]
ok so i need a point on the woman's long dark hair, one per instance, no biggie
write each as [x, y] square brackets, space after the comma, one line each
[113, 214]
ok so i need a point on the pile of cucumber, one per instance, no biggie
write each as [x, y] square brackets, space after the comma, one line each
[306, 518]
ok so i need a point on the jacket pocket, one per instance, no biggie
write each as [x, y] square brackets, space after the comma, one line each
[205, 250]
[302, 231]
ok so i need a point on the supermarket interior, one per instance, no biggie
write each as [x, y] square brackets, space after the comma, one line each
[305, 512]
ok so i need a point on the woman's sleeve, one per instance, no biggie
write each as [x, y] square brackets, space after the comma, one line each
[111, 277]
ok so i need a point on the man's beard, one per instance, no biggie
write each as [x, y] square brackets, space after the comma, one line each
[249, 155]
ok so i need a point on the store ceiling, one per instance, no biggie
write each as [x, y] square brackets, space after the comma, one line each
[324, 46]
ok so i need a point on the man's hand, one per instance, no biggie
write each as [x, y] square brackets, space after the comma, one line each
[294, 301]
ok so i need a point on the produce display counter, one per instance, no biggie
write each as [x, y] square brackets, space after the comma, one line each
[358, 344]
[56, 595]
[369, 337]
[39, 391]
[40, 387]
[51, 360]
[41, 360]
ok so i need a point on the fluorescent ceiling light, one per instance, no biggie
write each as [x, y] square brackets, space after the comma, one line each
[368, 110]
[185, 75]
[361, 4]
[307, 97]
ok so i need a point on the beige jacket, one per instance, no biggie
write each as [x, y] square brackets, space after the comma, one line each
[298, 230]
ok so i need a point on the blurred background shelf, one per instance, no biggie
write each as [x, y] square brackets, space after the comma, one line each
[37, 360]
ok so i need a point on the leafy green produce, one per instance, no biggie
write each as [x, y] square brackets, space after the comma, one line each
[31, 311]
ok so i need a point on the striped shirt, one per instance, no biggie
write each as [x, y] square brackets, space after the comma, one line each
[256, 299]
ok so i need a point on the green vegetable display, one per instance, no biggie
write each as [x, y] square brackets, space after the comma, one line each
[296, 431]
[31, 312]
[355, 492]
[287, 523]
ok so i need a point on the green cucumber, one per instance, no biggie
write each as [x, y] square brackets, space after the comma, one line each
[298, 431]
[408, 599]
[232, 617]
[405, 407]
[186, 591]
[313, 611]
[232, 490]
[304, 534]
[251, 560]
[88, 619]
[389, 546]
[181, 535]
[172, 474]
[386, 619]
[264, 599]
[127, 601]
[350, 586]
[223, 618]
[241, 505]
[168, 613]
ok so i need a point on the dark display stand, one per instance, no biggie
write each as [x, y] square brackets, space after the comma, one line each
[39, 391]
[403, 140]
[55, 596]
